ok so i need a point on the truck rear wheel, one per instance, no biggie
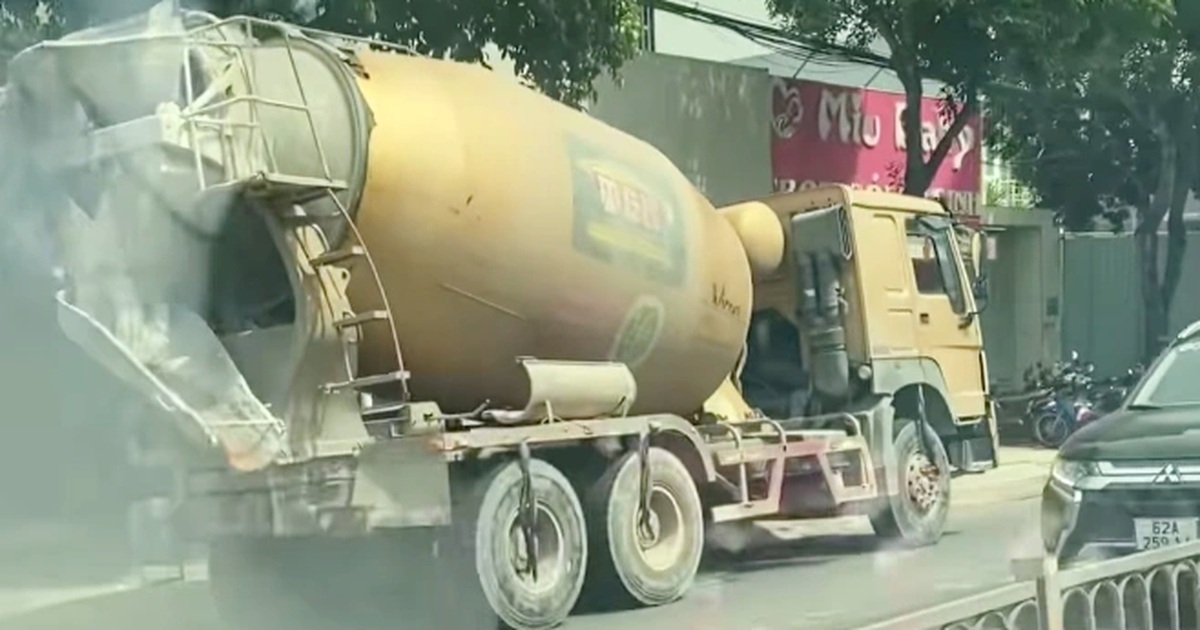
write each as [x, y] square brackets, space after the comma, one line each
[915, 514]
[526, 588]
[651, 560]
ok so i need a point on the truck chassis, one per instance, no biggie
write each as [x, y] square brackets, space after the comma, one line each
[569, 490]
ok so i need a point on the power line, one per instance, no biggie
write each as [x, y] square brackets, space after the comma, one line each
[807, 50]
[801, 48]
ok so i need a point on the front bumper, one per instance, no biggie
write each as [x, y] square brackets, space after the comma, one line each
[1094, 519]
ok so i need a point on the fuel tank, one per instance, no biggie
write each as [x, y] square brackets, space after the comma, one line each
[505, 224]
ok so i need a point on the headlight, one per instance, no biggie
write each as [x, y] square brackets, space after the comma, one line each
[1058, 500]
[1067, 473]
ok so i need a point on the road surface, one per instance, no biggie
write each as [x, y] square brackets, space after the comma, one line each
[819, 582]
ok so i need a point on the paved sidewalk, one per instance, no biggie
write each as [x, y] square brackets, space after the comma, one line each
[1021, 474]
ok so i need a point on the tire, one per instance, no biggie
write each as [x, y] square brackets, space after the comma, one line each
[621, 569]
[1050, 430]
[487, 536]
[916, 516]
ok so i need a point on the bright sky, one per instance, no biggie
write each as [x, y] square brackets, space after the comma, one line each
[678, 36]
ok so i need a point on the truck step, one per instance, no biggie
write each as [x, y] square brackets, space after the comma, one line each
[297, 216]
[276, 186]
[359, 319]
[749, 454]
[756, 451]
[367, 382]
[338, 256]
[246, 423]
[383, 411]
[293, 188]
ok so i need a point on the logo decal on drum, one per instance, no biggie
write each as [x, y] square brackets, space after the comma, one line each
[639, 333]
[626, 216]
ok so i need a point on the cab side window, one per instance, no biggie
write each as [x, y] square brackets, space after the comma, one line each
[933, 264]
[921, 250]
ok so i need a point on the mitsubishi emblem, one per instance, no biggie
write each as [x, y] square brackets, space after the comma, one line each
[1168, 474]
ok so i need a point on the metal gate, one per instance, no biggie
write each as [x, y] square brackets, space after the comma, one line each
[1101, 300]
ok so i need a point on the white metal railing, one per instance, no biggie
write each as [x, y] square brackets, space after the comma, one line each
[1153, 589]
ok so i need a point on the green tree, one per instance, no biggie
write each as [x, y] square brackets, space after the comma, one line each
[561, 46]
[963, 43]
[1112, 127]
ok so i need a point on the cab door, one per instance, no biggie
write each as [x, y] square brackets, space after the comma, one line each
[947, 326]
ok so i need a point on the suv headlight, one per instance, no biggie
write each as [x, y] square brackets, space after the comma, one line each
[1058, 501]
[1067, 473]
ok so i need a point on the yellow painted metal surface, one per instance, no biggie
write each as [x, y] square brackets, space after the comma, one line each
[954, 341]
[761, 233]
[506, 225]
[727, 403]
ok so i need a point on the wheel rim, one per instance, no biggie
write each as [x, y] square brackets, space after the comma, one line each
[660, 538]
[923, 480]
[1052, 429]
[551, 557]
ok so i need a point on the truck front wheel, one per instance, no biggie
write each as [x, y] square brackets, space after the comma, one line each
[530, 557]
[651, 555]
[919, 500]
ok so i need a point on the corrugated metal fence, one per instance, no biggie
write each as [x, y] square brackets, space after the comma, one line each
[1102, 301]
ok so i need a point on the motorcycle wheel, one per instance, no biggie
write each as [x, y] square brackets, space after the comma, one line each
[1050, 430]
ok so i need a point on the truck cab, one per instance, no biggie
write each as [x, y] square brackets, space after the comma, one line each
[874, 301]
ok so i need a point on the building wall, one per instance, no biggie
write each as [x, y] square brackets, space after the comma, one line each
[1022, 324]
[1103, 302]
[711, 119]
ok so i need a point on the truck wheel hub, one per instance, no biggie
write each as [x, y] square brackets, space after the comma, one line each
[659, 532]
[550, 554]
[922, 479]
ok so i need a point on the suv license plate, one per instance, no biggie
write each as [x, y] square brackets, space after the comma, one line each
[1155, 533]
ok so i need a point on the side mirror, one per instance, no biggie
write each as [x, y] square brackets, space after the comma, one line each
[979, 288]
[976, 252]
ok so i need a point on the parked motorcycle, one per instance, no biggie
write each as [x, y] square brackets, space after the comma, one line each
[1110, 394]
[1068, 397]
[1062, 404]
[1103, 397]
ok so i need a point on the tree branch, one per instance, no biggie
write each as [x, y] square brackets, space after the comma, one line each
[1185, 138]
[961, 118]
[1160, 203]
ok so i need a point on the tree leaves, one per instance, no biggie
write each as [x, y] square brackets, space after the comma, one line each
[1096, 115]
[1113, 127]
[561, 46]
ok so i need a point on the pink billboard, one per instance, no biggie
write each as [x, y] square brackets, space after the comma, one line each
[825, 133]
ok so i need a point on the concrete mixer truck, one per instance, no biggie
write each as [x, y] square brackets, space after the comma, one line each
[365, 292]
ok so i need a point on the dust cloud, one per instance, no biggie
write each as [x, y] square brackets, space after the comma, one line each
[66, 479]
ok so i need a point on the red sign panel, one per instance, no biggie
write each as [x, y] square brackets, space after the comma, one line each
[832, 134]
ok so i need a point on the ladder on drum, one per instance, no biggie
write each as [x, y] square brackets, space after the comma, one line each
[287, 196]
